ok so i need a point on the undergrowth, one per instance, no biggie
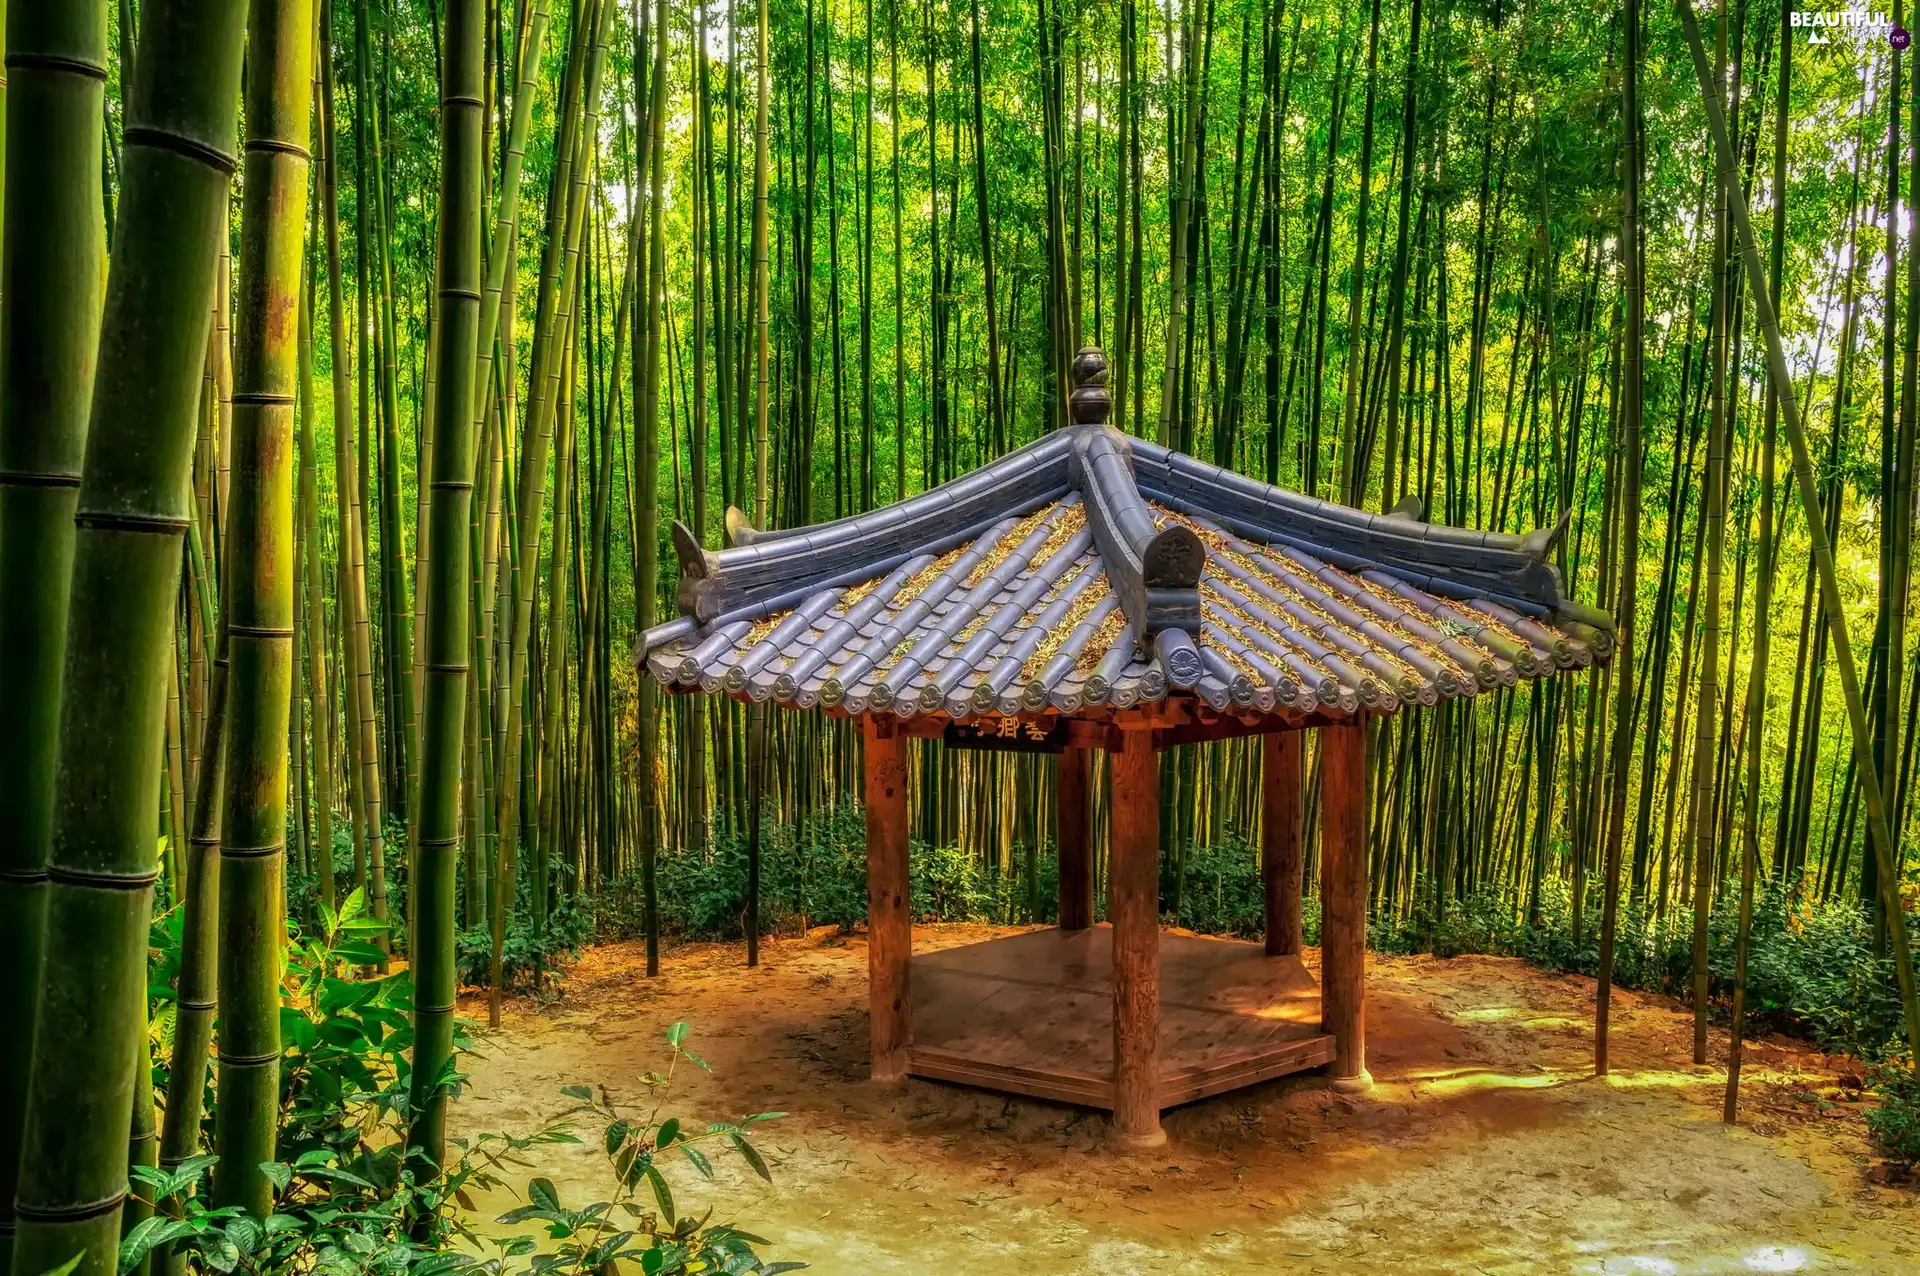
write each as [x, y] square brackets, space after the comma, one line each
[1813, 970]
[816, 875]
[352, 1197]
[1895, 1122]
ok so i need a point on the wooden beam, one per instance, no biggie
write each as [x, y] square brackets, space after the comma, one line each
[889, 899]
[1343, 900]
[1133, 906]
[1076, 861]
[1092, 733]
[1234, 728]
[1280, 802]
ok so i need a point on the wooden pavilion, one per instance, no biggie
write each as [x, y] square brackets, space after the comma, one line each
[1095, 591]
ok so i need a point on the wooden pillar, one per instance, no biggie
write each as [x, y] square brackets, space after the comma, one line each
[1343, 900]
[1076, 863]
[889, 899]
[1133, 906]
[1280, 863]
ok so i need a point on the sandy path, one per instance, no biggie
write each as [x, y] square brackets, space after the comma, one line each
[1483, 1147]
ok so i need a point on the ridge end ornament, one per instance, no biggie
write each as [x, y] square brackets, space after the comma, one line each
[1090, 401]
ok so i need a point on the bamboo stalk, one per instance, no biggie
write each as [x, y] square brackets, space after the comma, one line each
[50, 272]
[132, 509]
[1884, 848]
[445, 701]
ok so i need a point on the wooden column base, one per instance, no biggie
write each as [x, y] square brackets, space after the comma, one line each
[1154, 1138]
[1358, 1084]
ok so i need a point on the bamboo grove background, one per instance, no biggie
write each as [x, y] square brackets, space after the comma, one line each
[344, 405]
[958, 196]
[808, 258]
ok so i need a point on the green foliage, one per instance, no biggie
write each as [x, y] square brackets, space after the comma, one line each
[1217, 890]
[814, 875]
[1812, 969]
[640, 1225]
[350, 1195]
[303, 882]
[569, 926]
[1895, 1123]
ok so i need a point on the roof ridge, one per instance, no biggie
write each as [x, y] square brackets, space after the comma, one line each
[1154, 570]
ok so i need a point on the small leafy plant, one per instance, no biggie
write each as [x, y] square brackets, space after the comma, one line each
[648, 1232]
[350, 1195]
[351, 1198]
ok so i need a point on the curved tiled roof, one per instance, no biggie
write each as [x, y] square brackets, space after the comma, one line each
[1089, 570]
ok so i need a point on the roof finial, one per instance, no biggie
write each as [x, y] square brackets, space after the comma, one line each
[1091, 402]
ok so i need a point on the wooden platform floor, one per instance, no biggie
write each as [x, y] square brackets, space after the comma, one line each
[1033, 1014]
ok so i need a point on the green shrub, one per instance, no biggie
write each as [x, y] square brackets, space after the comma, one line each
[1812, 968]
[1895, 1122]
[815, 874]
[569, 926]
[1217, 890]
[352, 1198]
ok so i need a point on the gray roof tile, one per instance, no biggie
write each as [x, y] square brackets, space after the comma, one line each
[993, 596]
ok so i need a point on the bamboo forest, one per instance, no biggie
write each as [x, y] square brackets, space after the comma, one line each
[1091, 636]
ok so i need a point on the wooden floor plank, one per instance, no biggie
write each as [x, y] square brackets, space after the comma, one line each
[1032, 1014]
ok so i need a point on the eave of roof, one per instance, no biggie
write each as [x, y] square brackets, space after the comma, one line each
[1089, 571]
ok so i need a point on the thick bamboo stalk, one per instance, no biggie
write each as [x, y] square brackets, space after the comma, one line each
[462, 165]
[132, 509]
[50, 271]
[257, 596]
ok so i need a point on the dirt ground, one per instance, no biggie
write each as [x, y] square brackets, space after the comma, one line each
[1484, 1146]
